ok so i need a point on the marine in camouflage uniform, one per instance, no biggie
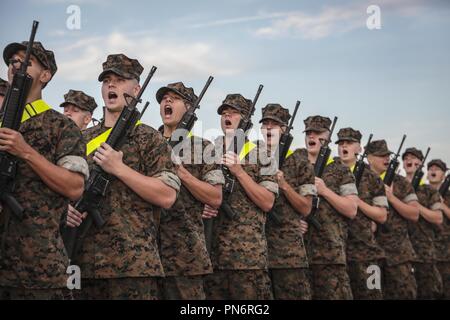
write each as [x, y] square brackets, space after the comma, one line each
[326, 247]
[436, 174]
[3, 90]
[398, 280]
[288, 263]
[182, 239]
[421, 233]
[121, 260]
[239, 247]
[33, 260]
[363, 250]
[79, 107]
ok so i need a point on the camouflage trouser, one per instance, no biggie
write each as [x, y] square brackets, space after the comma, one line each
[357, 271]
[8, 293]
[429, 281]
[330, 282]
[182, 288]
[290, 284]
[444, 270]
[118, 289]
[238, 285]
[399, 282]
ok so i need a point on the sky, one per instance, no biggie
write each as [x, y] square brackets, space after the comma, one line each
[389, 81]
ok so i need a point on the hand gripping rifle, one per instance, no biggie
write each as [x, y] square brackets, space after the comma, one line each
[393, 165]
[360, 166]
[418, 175]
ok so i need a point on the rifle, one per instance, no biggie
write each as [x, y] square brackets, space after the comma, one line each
[238, 143]
[98, 183]
[444, 187]
[360, 166]
[393, 165]
[187, 122]
[283, 148]
[418, 175]
[319, 168]
[13, 108]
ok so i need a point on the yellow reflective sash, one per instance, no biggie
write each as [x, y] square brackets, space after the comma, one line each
[289, 153]
[98, 140]
[383, 175]
[330, 161]
[421, 183]
[248, 146]
[352, 169]
[33, 109]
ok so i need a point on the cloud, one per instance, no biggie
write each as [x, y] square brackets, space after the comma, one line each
[175, 58]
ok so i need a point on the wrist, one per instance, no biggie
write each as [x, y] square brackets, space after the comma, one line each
[29, 154]
[120, 171]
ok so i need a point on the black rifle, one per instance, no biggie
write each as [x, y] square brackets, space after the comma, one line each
[238, 143]
[319, 168]
[360, 166]
[283, 148]
[187, 122]
[13, 108]
[418, 175]
[393, 165]
[97, 185]
[444, 187]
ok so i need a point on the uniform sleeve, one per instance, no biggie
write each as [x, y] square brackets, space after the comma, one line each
[211, 172]
[267, 179]
[404, 190]
[379, 198]
[305, 178]
[435, 200]
[70, 150]
[158, 162]
[347, 184]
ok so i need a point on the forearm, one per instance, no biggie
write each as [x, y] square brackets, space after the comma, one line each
[446, 210]
[152, 190]
[58, 179]
[377, 214]
[408, 211]
[345, 205]
[203, 191]
[432, 216]
[259, 195]
[301, 204]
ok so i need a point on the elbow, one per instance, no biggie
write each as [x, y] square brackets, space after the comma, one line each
[439, 218]
[415, 216]
[353, 210]
[383, 216]
[267, 205]
[168, 201]
[75, 192]
[216, 201]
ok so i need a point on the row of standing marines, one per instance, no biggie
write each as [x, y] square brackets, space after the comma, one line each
[293, 234]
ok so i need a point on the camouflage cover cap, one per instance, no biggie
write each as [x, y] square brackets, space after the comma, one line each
[238, 102]
[180, 89]
[79, 99]
[276, 112]
[349, 134]
[378, 148]
[438, 162]
[415, 152]
[45, 57]
[317, 123]
[3, 87]
[123, 66]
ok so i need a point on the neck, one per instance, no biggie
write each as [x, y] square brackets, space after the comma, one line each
[312, 158]
[409, 176]
[111, 118]
[349, 163]
[436, 185]
[377, 171]
[168, 131]
[34, 94]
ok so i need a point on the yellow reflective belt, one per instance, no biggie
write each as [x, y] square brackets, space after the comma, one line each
[98, 140]
[33, 109]
[289, 153]
[248, 146]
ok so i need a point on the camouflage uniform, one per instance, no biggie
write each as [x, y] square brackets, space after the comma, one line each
[442, 240]
[421, 233]
[326, 247]
[239, 248]
[3, 90]
[288, 263]
[182, 239]
[398, 276]
[362, 248]
[33, 260]
[121, 259]
[79, 99]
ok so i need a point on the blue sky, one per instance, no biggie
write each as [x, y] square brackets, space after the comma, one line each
[387, 82]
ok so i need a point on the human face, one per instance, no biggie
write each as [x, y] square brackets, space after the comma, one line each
[80, 117]
[172, 108]
[379, 164]
[411, 163]
[229, 119]
[272, 131]
[348, 150]
[435, 174]
[314, 141]
[36, 70]
[113, 89]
